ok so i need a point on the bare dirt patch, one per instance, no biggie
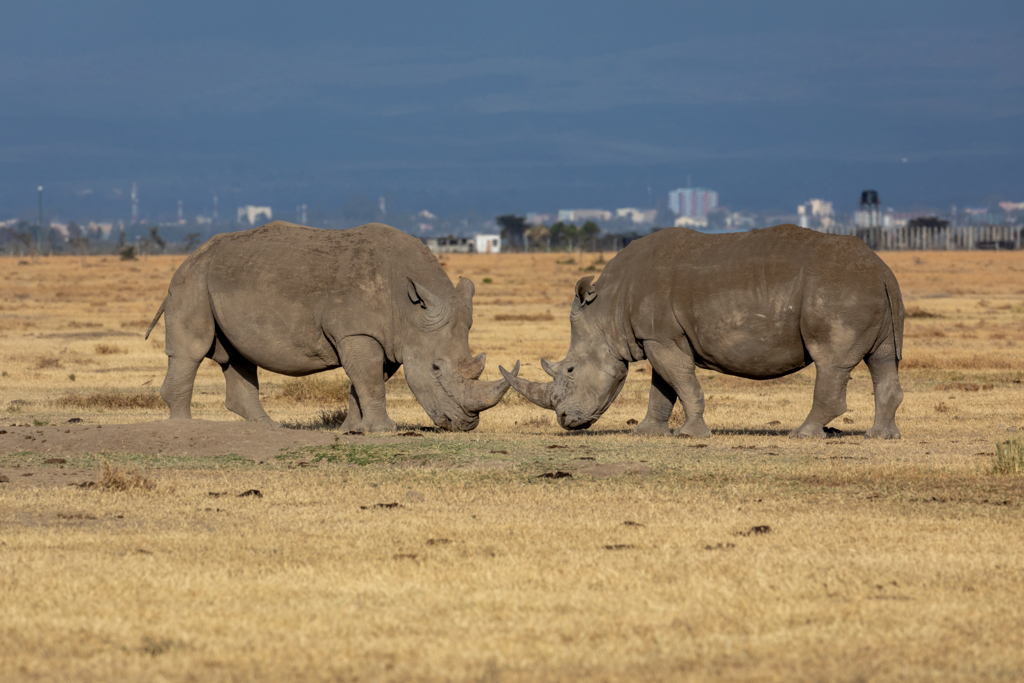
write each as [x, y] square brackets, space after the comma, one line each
[186, 438]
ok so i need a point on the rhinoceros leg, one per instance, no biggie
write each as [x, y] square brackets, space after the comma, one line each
[189, 338]
[888, 396]
[363, 360]
[829, 400]
[659, 408]
[675, 365]
[243, 389]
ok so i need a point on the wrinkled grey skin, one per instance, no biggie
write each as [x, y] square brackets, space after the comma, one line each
[759, 305]
[297, 300]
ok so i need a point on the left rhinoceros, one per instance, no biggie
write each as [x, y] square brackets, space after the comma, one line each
[297, 300]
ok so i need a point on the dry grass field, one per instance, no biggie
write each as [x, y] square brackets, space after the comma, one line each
[517, 552]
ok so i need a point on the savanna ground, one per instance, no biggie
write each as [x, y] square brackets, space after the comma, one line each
[127, 550]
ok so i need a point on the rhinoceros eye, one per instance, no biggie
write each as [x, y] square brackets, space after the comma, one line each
[570, 368]
[435, 367]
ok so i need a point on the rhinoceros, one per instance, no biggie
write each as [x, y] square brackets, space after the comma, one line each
[759, 305]
[297, 300]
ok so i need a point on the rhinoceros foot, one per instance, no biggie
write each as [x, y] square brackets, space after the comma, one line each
[385, 424]
[883, 432]
[652, 428]
[267, 420]
[812, 431]
[697, 430]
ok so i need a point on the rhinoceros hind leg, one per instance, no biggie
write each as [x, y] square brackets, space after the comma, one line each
[888, 396]
[659, 408]
[176, 391]
[675, 364]
[363, 360]
[243, 389]
[829, 401]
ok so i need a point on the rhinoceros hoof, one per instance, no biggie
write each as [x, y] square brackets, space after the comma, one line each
[266, 420]
[890, 432]
[697, 431]
[646, 428]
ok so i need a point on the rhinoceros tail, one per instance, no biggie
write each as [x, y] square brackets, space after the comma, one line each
[159, 312]
[892, 290]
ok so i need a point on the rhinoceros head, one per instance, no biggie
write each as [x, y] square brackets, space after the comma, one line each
[589, 378]
[440, 370]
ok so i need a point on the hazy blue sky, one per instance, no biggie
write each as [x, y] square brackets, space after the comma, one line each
[514, 106]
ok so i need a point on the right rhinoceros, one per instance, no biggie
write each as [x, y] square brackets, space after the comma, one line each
[297, 300]
[759, 305]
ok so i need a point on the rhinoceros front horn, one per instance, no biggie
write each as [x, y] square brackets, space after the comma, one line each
[478, 396]
[534, 391]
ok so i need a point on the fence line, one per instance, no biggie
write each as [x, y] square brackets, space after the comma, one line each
[948, 238]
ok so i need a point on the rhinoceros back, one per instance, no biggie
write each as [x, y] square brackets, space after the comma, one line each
[275, 289]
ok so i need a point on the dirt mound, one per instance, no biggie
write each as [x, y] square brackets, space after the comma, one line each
[197, 438]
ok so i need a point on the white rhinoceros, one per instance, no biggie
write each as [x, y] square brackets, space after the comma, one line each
[297, 300]
[761, 304]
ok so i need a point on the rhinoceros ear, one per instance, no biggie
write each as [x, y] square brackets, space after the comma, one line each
[466, 290]
[418, 294]
[585, 292]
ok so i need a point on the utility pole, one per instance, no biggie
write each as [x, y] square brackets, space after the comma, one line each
[39, 235]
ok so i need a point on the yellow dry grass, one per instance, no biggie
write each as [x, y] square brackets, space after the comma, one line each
[881, 560]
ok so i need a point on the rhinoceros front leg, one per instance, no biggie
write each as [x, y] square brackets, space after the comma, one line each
[243, 390]
[363, 360]
[675, 365]
[659, 408]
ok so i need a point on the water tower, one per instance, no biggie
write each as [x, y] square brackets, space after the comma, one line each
[870, 210]
[869, 219]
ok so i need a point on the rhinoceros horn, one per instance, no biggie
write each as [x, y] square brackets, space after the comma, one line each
[534, 391]
[475, 396]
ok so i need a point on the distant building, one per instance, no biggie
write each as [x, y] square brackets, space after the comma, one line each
[583, 215]
[815, 213]
[693, 202]
[1011, 206]
[691, 222]
[741, 220]
[540, 218]
[487, 244]
[638, 216]
[255, 215]
[478, 244]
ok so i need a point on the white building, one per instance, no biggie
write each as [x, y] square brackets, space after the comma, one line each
[694, 202]
[816, 211]
[583, 215]
[638, 216]
[691, 222]
[255, 215]
[487, 244]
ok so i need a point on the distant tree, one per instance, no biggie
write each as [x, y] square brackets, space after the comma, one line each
[191, 240]
[564, 234]
[512, 229]
[74, 231]
[538, 236]
[154, 233]
[588, 234]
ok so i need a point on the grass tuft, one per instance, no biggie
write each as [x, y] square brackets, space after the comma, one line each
[111, 400]
[109, 349]
[327, 419]
[116, 479]
[1009, 457]
[316, 390]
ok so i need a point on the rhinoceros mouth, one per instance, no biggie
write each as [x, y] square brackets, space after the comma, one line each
[466, 398]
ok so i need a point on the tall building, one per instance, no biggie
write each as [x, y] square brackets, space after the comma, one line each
[692, 202]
